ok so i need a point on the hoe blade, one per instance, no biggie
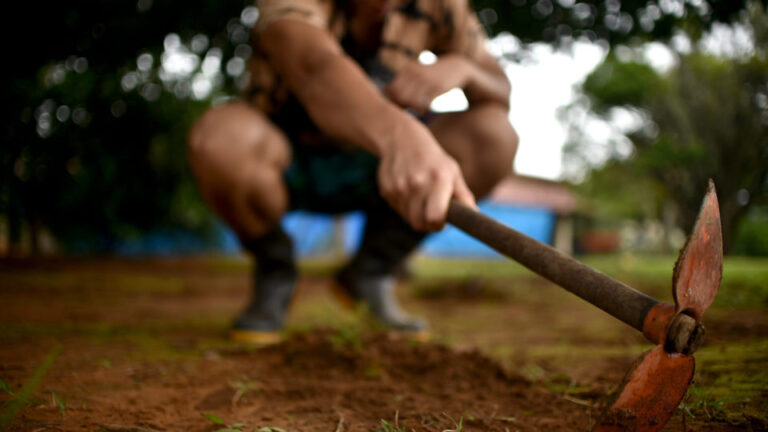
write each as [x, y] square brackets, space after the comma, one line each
[699, 268]
[652, 390]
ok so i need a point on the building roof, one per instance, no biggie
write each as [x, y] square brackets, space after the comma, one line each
[534, 192]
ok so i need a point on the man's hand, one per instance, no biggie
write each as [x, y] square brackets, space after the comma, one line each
[417, 85]
[418, 178]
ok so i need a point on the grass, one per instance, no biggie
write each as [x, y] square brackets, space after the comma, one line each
[95, 282]
[346, 339]
[744, 285]
[24, 397]
[731, 382]
[457, 426]
[390, 427]
[58, 402]
[224, 427]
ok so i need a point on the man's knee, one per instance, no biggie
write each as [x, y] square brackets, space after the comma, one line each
[239, 129]
[205, 129]
[495, 141]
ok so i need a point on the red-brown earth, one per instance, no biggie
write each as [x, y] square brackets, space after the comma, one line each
[142, 346]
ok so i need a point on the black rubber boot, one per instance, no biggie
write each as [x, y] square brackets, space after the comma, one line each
[377, 293]
[274, 279]
[370, 277]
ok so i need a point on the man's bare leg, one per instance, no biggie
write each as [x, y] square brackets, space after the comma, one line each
[238, 157]
[482, 141]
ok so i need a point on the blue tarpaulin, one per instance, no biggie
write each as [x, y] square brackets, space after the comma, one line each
[317, 234]
[314, 234]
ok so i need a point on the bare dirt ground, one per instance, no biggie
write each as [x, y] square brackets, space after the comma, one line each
[141, 345]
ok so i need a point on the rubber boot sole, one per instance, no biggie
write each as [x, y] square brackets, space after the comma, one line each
[256, 337]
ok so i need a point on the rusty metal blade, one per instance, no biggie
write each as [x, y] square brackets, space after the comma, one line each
[699, 268]
[651, 391]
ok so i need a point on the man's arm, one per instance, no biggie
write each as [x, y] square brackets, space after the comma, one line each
[416, 176]
[482, 80]
[487, 81]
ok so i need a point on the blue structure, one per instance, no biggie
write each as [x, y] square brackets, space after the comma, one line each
[317, 234]
[171, 242]
[313, 234]
[535, 222]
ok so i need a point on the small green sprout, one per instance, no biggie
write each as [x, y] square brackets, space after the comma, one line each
[389, 427]
[346, 338]
[234, 427]
[457, 426]
[58, 402]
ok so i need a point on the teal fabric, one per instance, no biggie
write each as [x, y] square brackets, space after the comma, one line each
[332, 180]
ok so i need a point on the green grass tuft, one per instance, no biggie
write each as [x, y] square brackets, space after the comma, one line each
[22, 398]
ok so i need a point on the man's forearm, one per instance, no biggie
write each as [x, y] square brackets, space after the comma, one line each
[337, 94]
[487, 83]
[345, 104]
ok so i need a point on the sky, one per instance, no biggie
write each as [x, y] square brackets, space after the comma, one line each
[543, 82]
[541, 86]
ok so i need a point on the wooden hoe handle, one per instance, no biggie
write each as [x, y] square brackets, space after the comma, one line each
[610, 295]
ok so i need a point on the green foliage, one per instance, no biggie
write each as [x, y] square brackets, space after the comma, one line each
[752, 237]
[639, 199]
[95, 150]
[617, 83]
[705, 118]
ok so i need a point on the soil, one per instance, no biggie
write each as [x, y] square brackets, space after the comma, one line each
[143, 348]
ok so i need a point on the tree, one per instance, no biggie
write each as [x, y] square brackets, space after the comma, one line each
[705, 118]
[613, 21]
[94, 150]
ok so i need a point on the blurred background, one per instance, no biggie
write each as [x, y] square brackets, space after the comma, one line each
[625, 108]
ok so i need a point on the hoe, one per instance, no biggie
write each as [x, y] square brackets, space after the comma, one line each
[657, 382]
